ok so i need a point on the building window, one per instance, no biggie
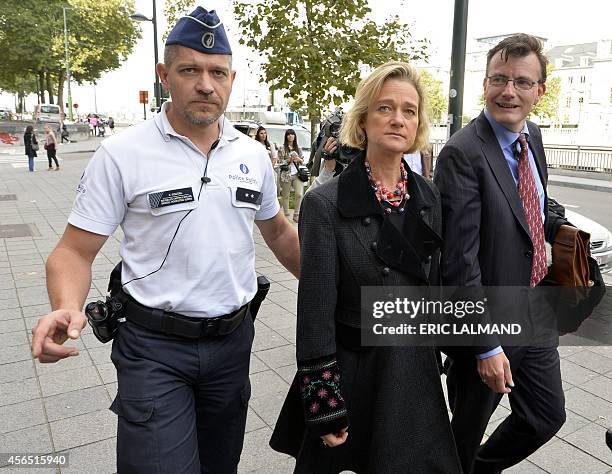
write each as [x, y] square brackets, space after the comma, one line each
[611, 95]
[570, 79]
[568, 102]
[582, 79]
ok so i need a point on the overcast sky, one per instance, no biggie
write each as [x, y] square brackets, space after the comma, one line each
[562, 22]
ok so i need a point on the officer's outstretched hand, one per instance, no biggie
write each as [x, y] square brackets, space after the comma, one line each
[52, 330]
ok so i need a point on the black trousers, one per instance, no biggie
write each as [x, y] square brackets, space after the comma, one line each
[182, 404]
[537, 403]
[52, 155]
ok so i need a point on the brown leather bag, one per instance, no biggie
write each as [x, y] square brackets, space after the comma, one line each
[570, 251]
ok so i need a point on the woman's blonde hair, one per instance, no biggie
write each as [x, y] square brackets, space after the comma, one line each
[368, 90]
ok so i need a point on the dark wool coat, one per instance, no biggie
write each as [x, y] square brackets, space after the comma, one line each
[398, 421]
[27, 141]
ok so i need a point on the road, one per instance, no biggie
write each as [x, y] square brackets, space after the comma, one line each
[596, 205]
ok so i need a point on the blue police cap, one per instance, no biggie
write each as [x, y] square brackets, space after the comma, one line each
[200, 30]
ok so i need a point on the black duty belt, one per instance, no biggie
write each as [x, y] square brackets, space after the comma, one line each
[175, 324]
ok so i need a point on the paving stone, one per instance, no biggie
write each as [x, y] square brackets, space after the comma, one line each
[15, 354]
[67, 405]
[257, 365]
[573, 422]
[268, 406]
[107, 371]
[253, 422]
[576, 374]
[588, 405]
[280, 466]
[14, 313]
[11, 325]
[70, 363]
[592, 361]
[17, 371]
[34, 295]
[287, 373]
[600, 386]
[278, 356]
[602, 350]
[83, 429]
[101, 355]
[265, 338]
[99, 457]
[35, 439]
[68, 381]
[256, 453]
[10, 339]
[524, 467]
[264, 383]
[591, 439]
[21, 415]
[37, 310]
[560, 457]
[18, 391]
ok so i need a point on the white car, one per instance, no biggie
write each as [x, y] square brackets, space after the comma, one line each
[601, 239]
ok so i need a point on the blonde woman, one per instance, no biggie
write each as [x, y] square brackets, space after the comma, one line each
[51, 147]
[350, 407]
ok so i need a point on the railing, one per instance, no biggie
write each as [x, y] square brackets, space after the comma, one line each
[574, 157]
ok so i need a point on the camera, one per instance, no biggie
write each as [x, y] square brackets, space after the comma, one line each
[331, 128]
[104, 318]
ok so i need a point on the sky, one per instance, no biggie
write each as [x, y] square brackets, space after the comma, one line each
[561, 21]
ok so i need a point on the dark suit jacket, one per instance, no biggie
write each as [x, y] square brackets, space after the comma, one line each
[486, 235]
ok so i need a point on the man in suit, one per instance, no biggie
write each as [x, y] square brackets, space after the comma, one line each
[492, 178]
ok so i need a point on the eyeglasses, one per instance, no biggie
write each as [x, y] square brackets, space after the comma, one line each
[521, 83]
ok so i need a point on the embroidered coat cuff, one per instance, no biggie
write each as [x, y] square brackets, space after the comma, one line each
[324, 407]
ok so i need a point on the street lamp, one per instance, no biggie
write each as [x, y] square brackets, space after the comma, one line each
[141, 17]
[67, 64]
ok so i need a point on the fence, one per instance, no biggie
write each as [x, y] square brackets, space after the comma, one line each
[574, 157]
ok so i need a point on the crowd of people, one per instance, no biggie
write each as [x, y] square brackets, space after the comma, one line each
[182, 349]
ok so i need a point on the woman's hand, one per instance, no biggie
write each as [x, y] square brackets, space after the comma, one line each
[332, 440]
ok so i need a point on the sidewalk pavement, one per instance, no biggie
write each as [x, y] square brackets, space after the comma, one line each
[63, 407]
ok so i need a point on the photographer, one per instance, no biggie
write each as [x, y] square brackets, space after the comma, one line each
[329, 157]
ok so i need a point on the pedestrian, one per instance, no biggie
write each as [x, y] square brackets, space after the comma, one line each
[65, 134]
[111, 125]
[51, 147]
[94, 120]
[421, 161]
[492, 177]
[262, 137]
[351, 407]
[186, 188]
[289, 158]
[31, 146]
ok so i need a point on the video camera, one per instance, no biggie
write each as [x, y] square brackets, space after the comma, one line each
[343, 154]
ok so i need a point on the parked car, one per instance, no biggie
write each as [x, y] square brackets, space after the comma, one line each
[47, 113]
[276, 134]
[601, 239]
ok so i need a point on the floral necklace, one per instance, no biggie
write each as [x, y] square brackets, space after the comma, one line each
[390, 199]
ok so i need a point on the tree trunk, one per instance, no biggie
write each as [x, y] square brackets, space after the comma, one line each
[40, 81]
[49, 87]
[60, 91]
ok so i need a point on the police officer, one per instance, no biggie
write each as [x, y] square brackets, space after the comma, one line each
[185, 188]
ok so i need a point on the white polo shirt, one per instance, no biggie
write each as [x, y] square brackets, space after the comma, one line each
[146, 179]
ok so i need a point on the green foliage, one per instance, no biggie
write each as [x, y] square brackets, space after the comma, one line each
[317, 51]
[548, 105]
[437, 103]
[100, 36]
[175, 9]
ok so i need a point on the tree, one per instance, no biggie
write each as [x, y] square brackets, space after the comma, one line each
[437, 103]
[548, 105]
[100, 36]
[318, 51]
